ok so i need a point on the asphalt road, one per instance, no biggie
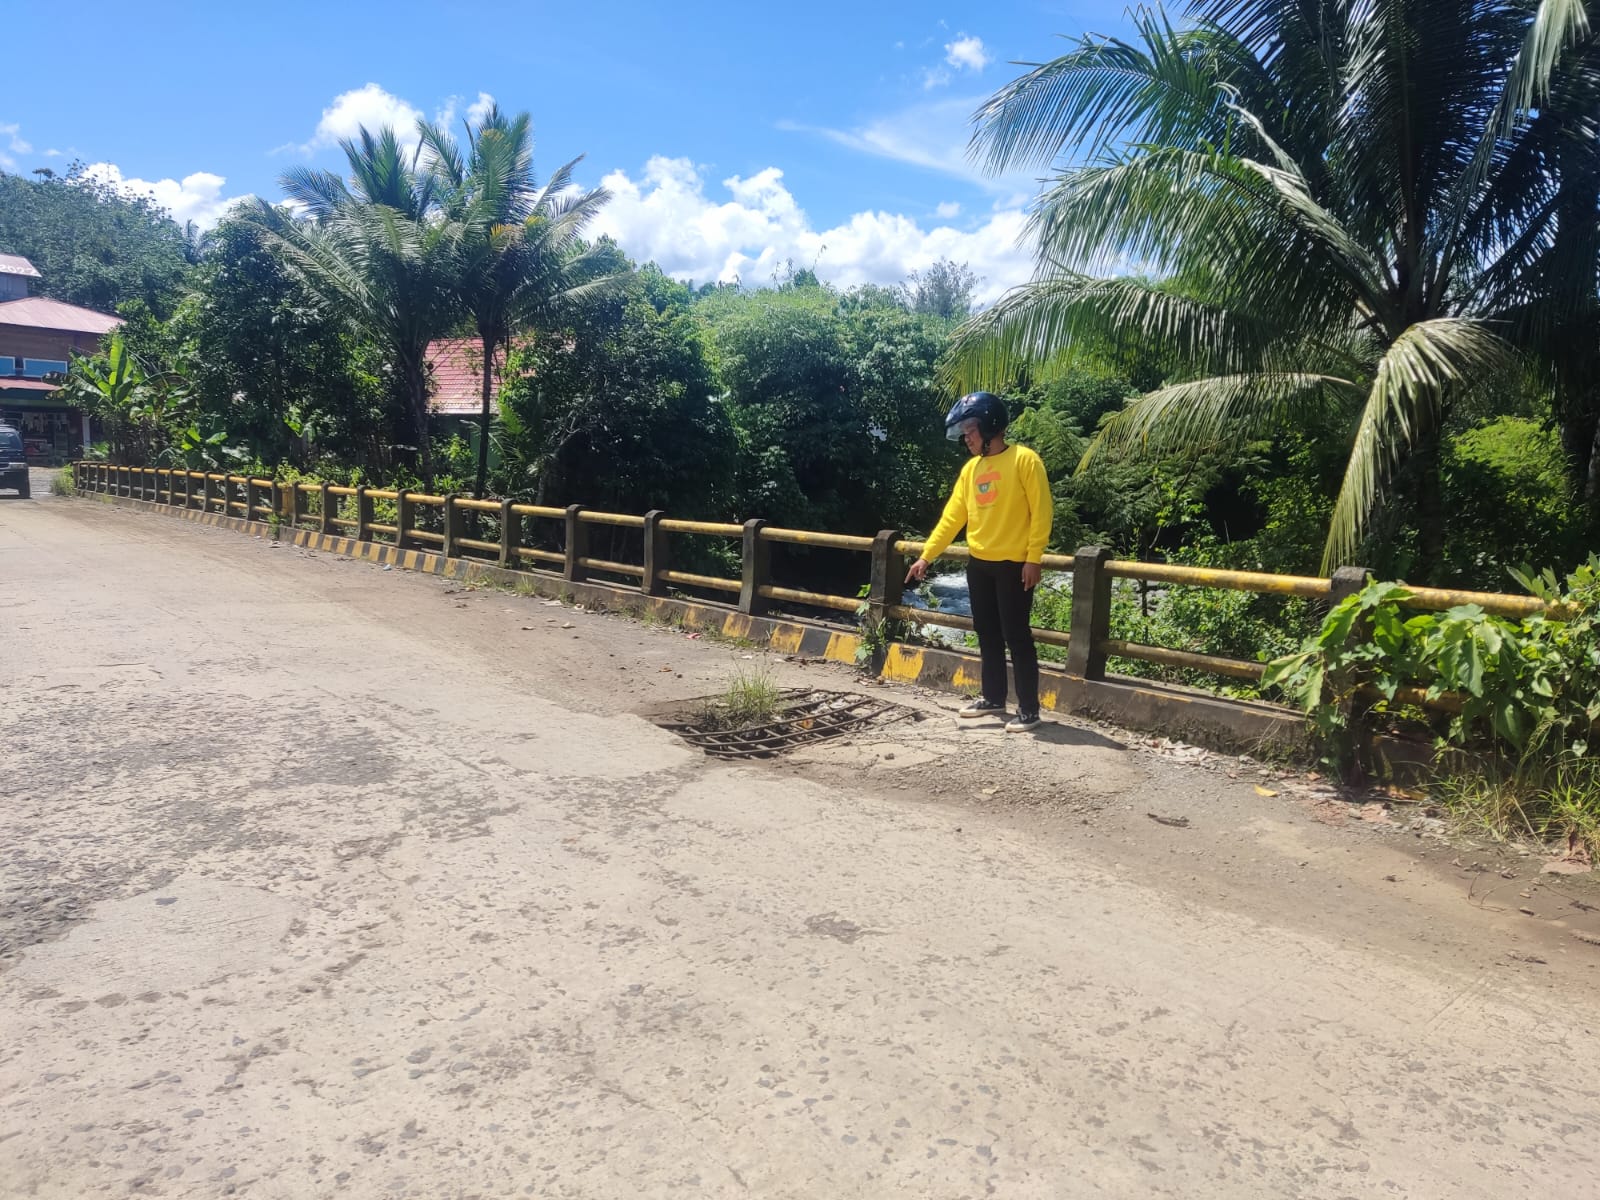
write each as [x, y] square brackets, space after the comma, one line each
[321, 880]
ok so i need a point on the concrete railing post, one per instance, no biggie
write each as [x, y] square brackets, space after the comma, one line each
[188, 490]
[657, 554]
[404, 517]
[510, 534]
[886, 586]
[757, 569]
[1346, 582]
[453, 517]
[325, 502]
[363, 514]
[1091, 613]
[573, 570]
[249, 498]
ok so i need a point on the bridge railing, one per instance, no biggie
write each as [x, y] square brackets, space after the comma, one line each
[497, 531]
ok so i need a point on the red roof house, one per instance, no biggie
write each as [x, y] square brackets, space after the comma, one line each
[38, 337]
[458, 377]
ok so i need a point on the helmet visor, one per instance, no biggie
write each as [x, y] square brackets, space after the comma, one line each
[957, 430]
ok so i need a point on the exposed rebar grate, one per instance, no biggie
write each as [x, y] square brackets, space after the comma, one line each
[804, 716]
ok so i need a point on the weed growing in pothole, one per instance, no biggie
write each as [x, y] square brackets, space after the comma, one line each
[752, 697]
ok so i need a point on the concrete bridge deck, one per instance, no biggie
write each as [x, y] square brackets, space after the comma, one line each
[323, 880]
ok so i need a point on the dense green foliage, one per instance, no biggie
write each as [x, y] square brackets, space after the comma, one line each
[1357, 211]
[619, 411]
[1525, 694]
[93, 246]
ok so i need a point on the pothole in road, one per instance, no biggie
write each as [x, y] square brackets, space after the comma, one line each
[801, 717]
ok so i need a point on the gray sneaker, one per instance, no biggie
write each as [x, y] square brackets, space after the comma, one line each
[983, 708]
[1023, 723]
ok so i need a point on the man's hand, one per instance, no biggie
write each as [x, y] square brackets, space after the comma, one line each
[1031, 574]
[917, 570]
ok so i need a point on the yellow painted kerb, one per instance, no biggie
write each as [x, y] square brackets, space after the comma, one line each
[786, 639]
[902, 664]
[842, 648]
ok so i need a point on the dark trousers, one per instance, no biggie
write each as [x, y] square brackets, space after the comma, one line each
[1001, 608]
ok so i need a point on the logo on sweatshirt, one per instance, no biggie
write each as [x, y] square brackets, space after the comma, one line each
[988, 488]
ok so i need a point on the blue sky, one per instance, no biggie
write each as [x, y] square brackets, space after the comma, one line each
[735, 136]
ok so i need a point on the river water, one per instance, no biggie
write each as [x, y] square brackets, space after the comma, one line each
[950, 590]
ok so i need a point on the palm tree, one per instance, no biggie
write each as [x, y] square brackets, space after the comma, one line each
[522, 260]
[379, 251]
[1295, 204]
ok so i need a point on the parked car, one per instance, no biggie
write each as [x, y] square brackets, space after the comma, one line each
[13, 462]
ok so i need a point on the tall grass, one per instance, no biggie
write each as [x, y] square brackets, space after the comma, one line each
[1544, 799]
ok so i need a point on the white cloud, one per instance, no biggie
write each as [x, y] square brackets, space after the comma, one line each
[479, 108]
[933, 135]
[197, 197]
[967, 52]
[369, 106]
[947, 209]
[666, 216]
[11, 135]
[372, 108]
[934, 77]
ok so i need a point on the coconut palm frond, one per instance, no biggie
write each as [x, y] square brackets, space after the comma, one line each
[1213, 414]
[1414, 379]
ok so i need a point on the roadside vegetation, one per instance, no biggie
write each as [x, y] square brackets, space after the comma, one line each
[1314, 286]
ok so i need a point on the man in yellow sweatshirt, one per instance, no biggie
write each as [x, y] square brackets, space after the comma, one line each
[1002, 496]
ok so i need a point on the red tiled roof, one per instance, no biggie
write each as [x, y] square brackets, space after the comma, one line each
[38, 312]
[15, 264]
[458, 377]
[7, 384]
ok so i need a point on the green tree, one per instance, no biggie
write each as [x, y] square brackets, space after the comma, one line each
[280, 370]
[377, 251]
[943, 290]
[1333, 201]
[836, 401]
[617, 409]
[522, 261]
[94, 246]
[149, 415]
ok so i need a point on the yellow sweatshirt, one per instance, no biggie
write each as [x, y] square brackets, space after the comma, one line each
[1004, 501]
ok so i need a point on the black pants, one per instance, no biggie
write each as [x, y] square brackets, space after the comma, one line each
[1001, 607]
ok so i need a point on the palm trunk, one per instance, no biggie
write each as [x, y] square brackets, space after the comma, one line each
[483, 423]
[416, 384]
[1429, 506]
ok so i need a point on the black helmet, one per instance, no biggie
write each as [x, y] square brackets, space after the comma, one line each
[984, 407]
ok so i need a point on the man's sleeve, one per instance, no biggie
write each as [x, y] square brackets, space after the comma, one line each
[1041, 510]
[955, 516]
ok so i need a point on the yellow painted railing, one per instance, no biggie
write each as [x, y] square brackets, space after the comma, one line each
[497, 531]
